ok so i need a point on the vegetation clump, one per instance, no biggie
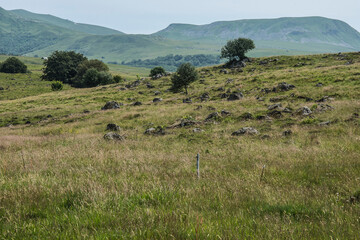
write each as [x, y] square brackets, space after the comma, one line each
[157, 72]
[184, 76]
[13, 65]
[57, 86]
[235, 50]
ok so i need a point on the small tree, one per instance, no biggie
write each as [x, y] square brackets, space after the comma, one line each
[93, 78]
[62, 66]
[57, 86]
[235, 50]
[13, 65]
[184, 76]
[156, 71]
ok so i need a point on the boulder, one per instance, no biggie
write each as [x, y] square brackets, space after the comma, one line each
[113, 136]
[1, 88]
[187, 100]
[287, 133]
[275, 106]
[137, 104]
[225, 113]
[275, 114]
[157, 93]
[213, 117]
[204, 97]
[245, 131]
[155, 100]
[282, 87]
[155, 131]
[304, 111]
[235, 96]
[247, 116]
[224, 71]
[112, 127]
[111, 105]
[197, 130]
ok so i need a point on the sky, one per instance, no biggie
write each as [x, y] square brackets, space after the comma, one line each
[149, 16]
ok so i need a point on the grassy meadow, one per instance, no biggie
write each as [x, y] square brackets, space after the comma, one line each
[60, 179]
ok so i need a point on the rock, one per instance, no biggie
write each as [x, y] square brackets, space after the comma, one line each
[229, 80]
[141, 93]
[220, 89]
[157, 93]
[265, 136]
[260, 99]
[1, 88]
[235, 96]
[319, 85]
[324, 107]
[245, 131]
[307, 99]
[122, 89]
[112, 127]
[225, 113]
[155, 131]
[274, 106]
[213, 117]
[260, 117]
[114, 136]
[111, 105]
[224, 95]
[287, 133]
[204, 97]
[324, 123]
[197, 130]
[282, 87]
[133, 84]
[149, 85]
[187, 100]
[155, 100]
[266, 90]
[304, 111]
[86, 111]
[325, 99]
[246, 116]
[198, 107]
[275, 114]
[224, 71]
[277, 99]
[287, 110]
[137, 104]
[263, 62]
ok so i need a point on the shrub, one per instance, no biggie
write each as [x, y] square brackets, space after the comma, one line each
[184, 76]
[62, 66]
[13, 65]
[57, 86]
[93, 78]
[117, 78]
[156, 71]
[235, 50]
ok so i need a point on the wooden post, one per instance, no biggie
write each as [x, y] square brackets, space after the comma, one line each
[262, 172]
[198, 165]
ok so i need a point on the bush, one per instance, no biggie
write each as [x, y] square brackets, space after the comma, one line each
[235, 50]
[57, 86]
[93, 78]
[13, 65]
[184, 76]
[157, 71]
[62, 66]
[117, 78]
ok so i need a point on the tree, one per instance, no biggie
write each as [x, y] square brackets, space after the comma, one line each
[13, 65]
[62, 66]
[184, 76]
[93, 78]
[83, 67]
[235, 49]
[156, 71]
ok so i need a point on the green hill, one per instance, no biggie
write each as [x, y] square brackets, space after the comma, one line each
[79, 27]
[302, 34]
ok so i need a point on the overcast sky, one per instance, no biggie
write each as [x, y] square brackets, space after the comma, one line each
[148, 16]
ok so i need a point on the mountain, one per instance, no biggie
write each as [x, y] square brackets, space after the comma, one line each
[306, 32]
[79, 27]
[30, 34]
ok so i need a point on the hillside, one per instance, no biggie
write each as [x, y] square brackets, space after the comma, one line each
[293, 33]
[30, 34]
[295, 177]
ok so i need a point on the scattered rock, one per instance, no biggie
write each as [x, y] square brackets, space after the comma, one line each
[220, 89]
[155, 100]
[282, 87]
[86, 111]
[266, 90]
[260, 117]
[324, 123]
[287, 133]
[141, 93]
[112, 127]
[155, 131]
[197, 130]
[198, 107]
[246, 116]
[213, 117]
[225, 113]
[224, 71]
[275, 114]
[122, 89]
[277, 99]
[111, 105]
[319, 85]
[287, 110]
[229, 80]
[274, 106]
[325, 99]
[235, 96]
[137, 104]
[245, 131]
[187, 100]
[114, 136]
[265, 136]
[224, 95]
[300, 64]
[304, 111]
[204, 97]
[307, 99]
[157, 93]
[149, 85]
[260, 99]
[324, 107]
[133, 84]
[263, 62]
[1, 88]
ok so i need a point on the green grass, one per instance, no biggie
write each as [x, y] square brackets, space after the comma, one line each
[60, 179]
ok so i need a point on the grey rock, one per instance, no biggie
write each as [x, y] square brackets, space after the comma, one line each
[213, 117]
[247, 116]
[324, 123]
[225, 113]
[274, 106]
[187, 100]
[112, 127]
[155, 100]
[137, 104]
[157, 93]
[197, 130]
[114, 136]
[282, 87]
[235, 96]
[275, 114]
[287, 133]
[111, 105]
[1, 88]
[304, 111]
[245, 131]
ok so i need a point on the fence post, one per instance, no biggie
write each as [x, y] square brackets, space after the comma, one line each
[198, 165]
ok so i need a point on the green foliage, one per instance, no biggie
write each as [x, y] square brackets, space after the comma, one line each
[79, 80]
[171, 62]
[57, 86]
[235, 50]
[157, 70]
[184, 76]
[93, 78]
[13, 65]
[309, 121]
[62, 66]
[117, 78]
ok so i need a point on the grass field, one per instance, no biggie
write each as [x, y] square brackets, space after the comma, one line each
[59, 179]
